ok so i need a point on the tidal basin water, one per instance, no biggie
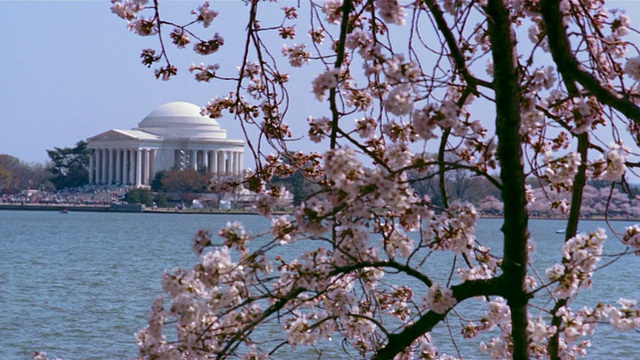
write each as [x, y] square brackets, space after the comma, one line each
[80, 285]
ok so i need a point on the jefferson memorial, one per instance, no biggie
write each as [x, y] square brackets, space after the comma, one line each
[173, 136]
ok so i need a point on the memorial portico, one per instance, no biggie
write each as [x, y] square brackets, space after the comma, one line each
[173, 136]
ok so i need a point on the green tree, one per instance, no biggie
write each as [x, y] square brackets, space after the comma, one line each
[139, 196]
[70, 166]
[156, 183]
[161, 199]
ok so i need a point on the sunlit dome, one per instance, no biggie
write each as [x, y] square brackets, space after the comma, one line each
[181, 119]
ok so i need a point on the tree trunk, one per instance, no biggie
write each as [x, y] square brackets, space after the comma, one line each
[515, 229]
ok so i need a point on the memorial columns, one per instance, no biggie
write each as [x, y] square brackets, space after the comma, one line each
[193, 159]
[220, 162]
[236, 162]
[103, 176]
[152, 163]
[212, 162]
[96, 155]
[234, 157]
[123, 165]
[118, 167]
[131, 168]
[205, 159]
[110, 166]
[98, 166]
[138, 167]
[103, 166]
[145, 171]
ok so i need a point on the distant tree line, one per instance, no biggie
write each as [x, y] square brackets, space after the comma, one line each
[66, 168]
[16, 175]
[69, 168]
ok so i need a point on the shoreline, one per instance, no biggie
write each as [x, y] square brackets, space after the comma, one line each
[132, 208]
[55, 207]
[136, 208]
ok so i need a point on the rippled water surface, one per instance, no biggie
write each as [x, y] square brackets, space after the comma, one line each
[79, 285]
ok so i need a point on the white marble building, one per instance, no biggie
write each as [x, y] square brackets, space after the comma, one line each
[173, 135]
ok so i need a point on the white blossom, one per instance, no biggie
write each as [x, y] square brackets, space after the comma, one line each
[400, 100]
[205, 15]
[324, 82]
[333, 10]
[297, 54]
[319, 128]
[632, 67]
[366, 127]
[616, 157]
[144, 27]
[391, 11]
[440, 300]
[632, 238]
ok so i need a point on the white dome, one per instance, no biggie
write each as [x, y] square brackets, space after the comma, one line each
[181, 120]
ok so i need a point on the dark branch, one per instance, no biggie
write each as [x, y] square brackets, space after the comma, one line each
[400, 341]
[569, 66]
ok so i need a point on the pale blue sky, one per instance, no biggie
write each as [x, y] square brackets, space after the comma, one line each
[70, 70]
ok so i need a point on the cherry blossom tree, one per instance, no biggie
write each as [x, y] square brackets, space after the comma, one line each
[545, 89]
[491, 205]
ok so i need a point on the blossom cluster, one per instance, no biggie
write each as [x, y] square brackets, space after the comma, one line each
[205, 15]
[453, 230]
[580, 257]
[273, 198]
[204, 72]
[297, 54]
[323, 82]
[128, 9]
[561, 171]
[632, 238]
[440, 300]
[616, 167]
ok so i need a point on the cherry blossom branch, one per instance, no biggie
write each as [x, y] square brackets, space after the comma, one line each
[569, 66]
[572, 224]
[340, 50]
[388, 263]
[237, 339]
[400, 341]
[441, 168]
[452, 43]
[579, 183]
[250, 24]
[453, 166]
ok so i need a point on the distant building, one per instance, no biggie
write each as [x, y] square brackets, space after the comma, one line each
[174, 135]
